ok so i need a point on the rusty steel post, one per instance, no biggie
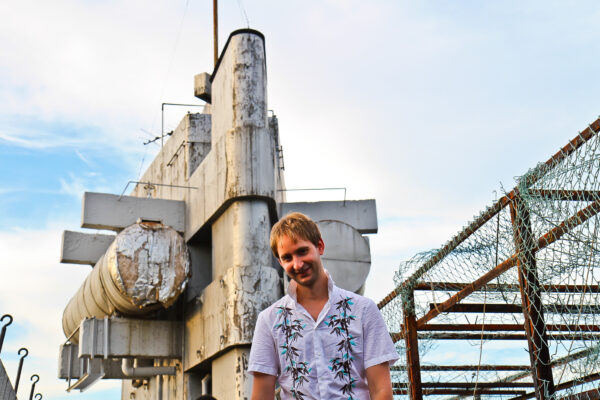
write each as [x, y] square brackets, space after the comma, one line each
[535, 327]
[409, 330]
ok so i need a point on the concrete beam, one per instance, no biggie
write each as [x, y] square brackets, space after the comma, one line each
[109, 211]
[112, 367]
[120, 337]
[202, 87]
[360, 214]
[83, 248]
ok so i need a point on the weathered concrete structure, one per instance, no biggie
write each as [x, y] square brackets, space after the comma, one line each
[218, 181]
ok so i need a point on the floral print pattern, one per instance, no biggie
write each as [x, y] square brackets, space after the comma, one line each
[342, 366]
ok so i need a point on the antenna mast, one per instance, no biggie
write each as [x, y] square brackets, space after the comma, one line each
[216, 30]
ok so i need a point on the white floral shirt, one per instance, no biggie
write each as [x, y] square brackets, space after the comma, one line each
[326, 358]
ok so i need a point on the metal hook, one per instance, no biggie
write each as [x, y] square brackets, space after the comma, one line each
[38, 394]
[20, 367]
[33, 384]
[3, 332]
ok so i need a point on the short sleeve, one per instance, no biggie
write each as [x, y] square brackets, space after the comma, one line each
[377, 344]
[263, 354]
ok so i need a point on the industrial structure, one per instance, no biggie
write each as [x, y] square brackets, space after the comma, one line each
[170, 305]
[526, 269]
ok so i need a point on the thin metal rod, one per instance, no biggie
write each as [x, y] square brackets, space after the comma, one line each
[516, 308]
[216, 30]
[20, 367]
[471, 385]
[3, 332]
[497, 336]
[565, 385]
[33, 385]
[566, 195]
[485, 367]
[506, 287]
[505, 327]
[162, 117]
[459, 392]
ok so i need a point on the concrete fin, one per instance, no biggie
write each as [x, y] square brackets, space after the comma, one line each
[113, 212]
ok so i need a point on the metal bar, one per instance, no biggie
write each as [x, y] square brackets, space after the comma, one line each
[33, 385]
[483, 367]
[493, 287]
[591, 394]
[490, 212]
[565, 385]
[20, 368]
[216, 30]
[460, 392]
[516, 308]
[505, 327]
[550, 237]
[480, 308]
[412, 347]
[566, 195]
[497, 336]
[535, 327]
[472, 385]
[3, 331]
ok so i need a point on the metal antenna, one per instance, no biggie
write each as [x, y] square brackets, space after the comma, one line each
[216, 29]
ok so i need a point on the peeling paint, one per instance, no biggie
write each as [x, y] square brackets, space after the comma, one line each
[147, 266]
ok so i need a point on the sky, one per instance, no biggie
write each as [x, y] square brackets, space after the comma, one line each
[430, 107]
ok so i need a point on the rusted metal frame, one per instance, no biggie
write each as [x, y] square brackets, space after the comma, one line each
[480, 308]
[565, 385]
[516, 308]
[548, 238]
[566, 195]
[460, 392]
[505, 327]
[444, 251]
[483, 367]
[476, 285]
[591, 394]
[472, 385]
[409, 331]
[555, 363]
[503, 336]
[535, 326]
[489, 213]
[503, 287]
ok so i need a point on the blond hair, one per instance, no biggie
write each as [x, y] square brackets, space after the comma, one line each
[296, 226]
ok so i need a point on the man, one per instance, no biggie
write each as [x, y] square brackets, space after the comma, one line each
[319, 341]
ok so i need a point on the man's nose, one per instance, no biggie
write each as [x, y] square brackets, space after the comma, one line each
[298, 263]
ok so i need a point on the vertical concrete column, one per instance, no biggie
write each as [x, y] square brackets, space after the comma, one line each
[240, 235]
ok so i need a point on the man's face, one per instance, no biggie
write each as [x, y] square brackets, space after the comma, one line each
[301, 260]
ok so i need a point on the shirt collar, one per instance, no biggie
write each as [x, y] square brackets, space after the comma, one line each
[293, 286]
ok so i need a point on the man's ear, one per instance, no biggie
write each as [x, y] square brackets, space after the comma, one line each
[321, 246]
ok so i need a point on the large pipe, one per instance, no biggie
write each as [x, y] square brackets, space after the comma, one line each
[145, 268]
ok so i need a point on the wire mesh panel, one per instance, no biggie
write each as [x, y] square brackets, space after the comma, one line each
[509, 307]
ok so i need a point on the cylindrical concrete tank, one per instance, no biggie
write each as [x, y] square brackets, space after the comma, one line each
[146, 267]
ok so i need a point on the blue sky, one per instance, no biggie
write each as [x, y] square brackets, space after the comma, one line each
[426, 106]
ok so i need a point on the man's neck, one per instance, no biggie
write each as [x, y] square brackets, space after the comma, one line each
[314, 298]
